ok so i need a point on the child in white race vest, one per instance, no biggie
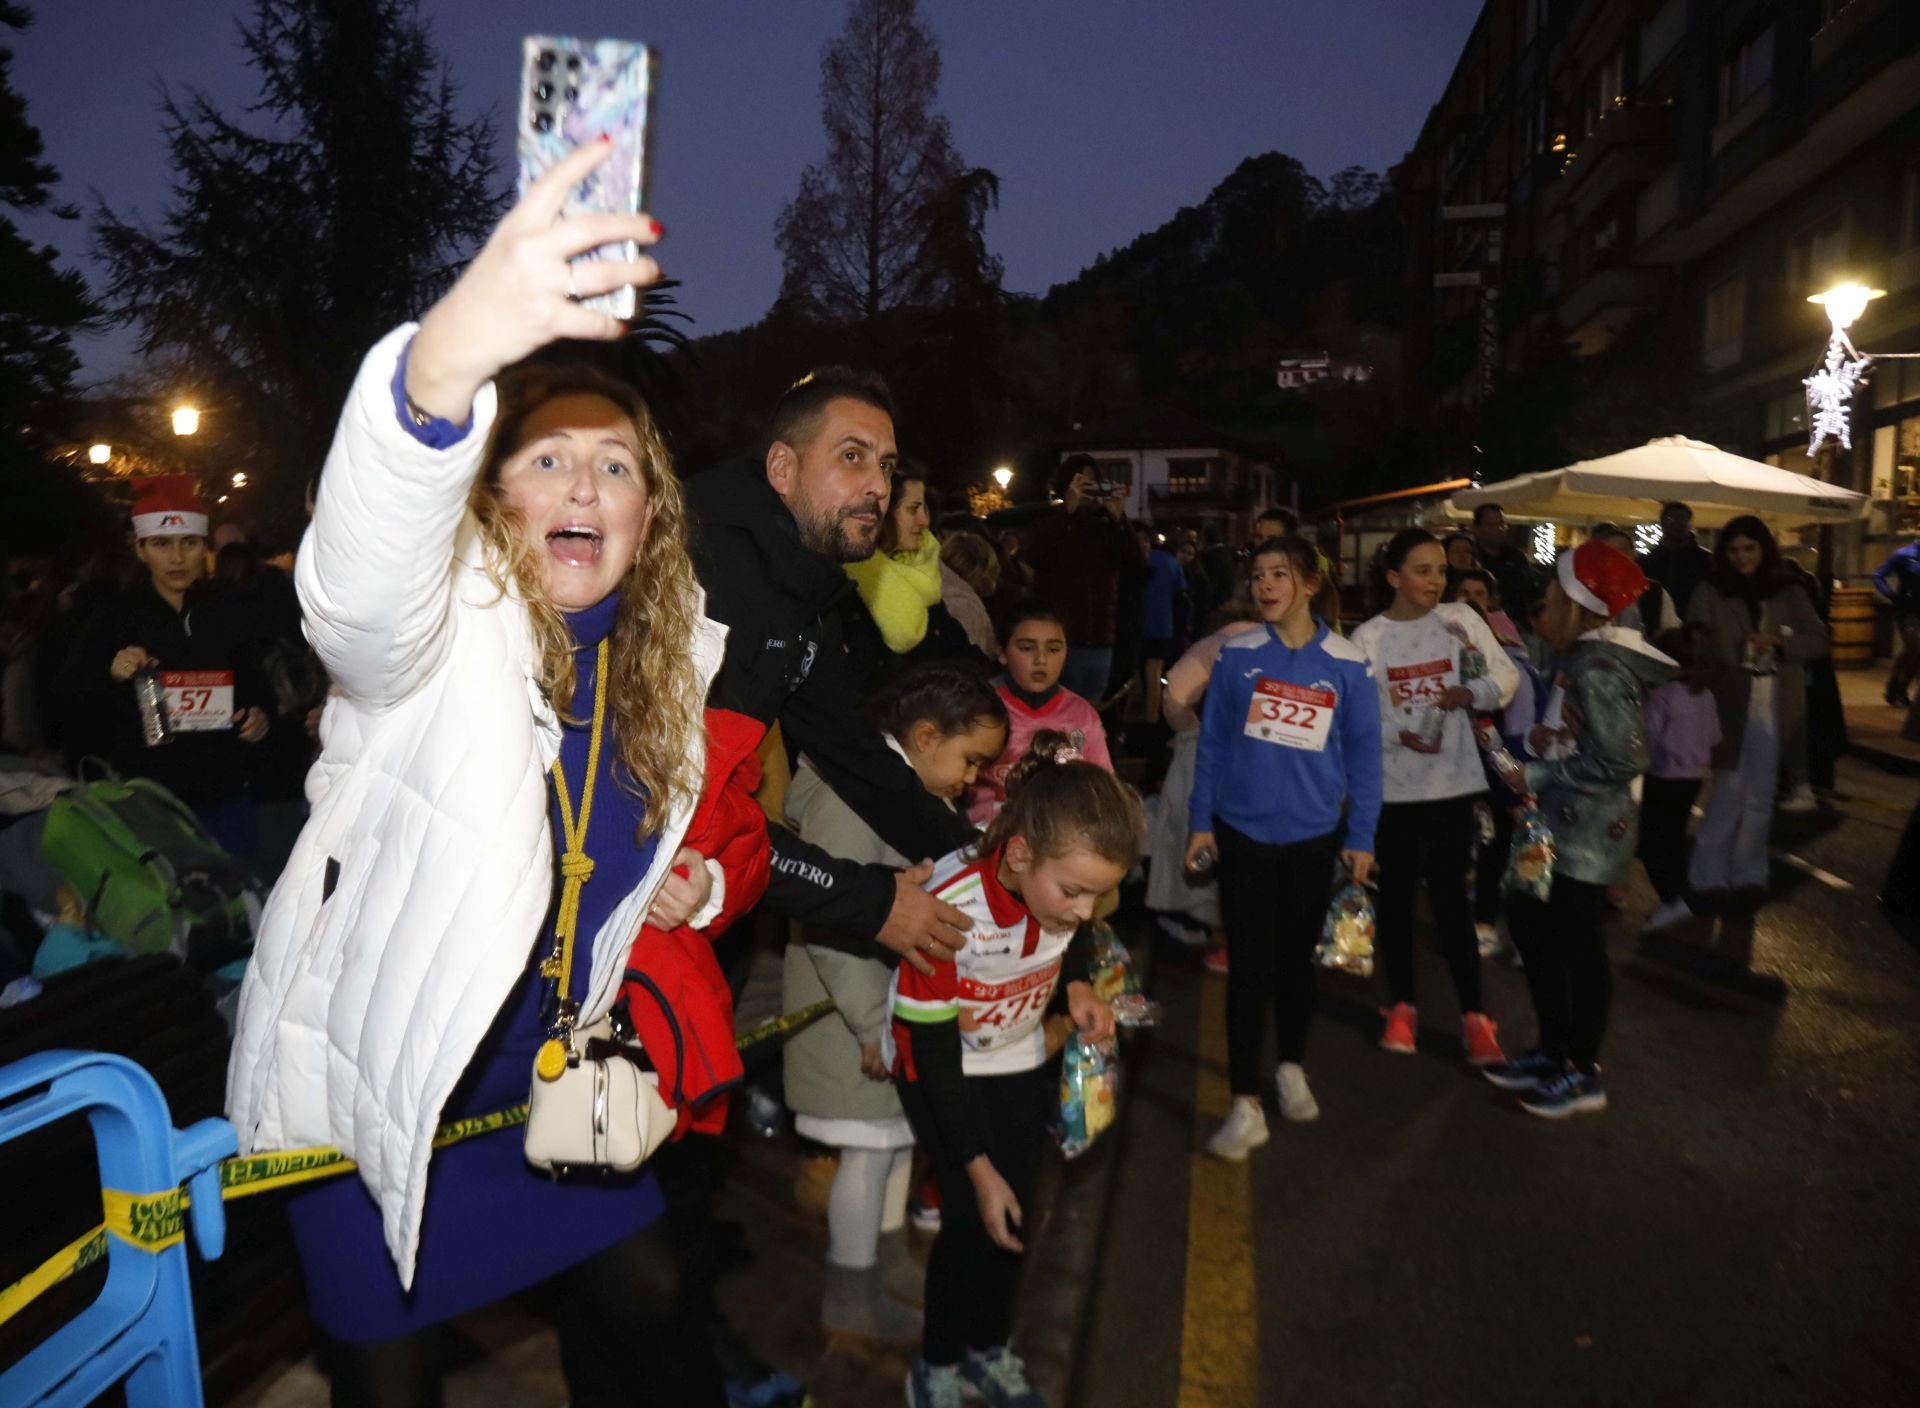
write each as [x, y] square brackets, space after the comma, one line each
[969, 1054]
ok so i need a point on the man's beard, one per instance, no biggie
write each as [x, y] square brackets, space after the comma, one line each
[834, 535]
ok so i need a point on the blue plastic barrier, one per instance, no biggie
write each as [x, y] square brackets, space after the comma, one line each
[140, 1330]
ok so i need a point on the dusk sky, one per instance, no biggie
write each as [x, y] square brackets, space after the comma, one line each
[1101, 117]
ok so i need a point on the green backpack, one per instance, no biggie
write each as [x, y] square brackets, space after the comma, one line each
[150, 875]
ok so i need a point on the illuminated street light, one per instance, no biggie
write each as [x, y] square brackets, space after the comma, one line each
[99, 454]
[1003, 476]
[186, 420]
[240, 480]
[1846, 302]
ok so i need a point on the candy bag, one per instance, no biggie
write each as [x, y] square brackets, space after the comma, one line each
[1111, 965]
[1132, 1009]
[1346, 939]
[1530, 863]
[1089, 1090]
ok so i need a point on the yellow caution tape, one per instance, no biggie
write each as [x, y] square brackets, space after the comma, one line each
[153, 1222]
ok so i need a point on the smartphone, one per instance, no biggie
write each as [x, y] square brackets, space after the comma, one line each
[576, 91]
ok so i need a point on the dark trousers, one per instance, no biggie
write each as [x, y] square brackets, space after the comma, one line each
[626, 1340]
[1431, 841]
[1666, 807]
[1274, 902]
[1565, 953]
[971, 1283]
[1490, 867]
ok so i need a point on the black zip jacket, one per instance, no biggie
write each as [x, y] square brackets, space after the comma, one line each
[786, 663]
[208, 634]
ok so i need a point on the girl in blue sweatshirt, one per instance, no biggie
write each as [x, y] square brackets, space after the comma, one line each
[1287, 777]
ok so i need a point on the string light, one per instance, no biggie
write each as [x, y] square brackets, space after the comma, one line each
[1830, 394]
[1646, 536]
[1543, 544]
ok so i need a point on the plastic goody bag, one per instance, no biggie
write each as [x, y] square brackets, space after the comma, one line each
[1089, 1094]
[1346, 939]
[1132, 1009]
[1530, 863]
[1111, 965]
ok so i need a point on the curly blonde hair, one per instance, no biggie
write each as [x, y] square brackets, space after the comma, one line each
[654, 698]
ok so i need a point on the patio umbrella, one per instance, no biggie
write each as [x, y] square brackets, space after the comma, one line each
[1630, 487]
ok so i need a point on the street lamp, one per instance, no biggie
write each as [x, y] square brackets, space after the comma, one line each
[186, 420]
[1003, 476]
[99, 454]
[240, 480]
[1845, 303]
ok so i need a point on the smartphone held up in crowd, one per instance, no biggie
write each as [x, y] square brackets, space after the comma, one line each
[577, 91]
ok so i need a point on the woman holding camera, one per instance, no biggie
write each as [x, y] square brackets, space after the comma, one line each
[497, 581]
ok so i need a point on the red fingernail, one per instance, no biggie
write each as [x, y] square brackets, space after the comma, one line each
[606, 136]
[658, 229]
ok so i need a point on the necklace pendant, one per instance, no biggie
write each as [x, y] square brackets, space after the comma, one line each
[552, 1059]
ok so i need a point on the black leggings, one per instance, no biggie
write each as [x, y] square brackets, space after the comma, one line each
[1666, 807]
[1565, 952]
[1274, 902]
[626, 1340]
[1431, 841]
[971, 1283]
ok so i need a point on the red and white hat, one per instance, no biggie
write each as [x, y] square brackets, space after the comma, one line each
[168, 505]
[1601, 577]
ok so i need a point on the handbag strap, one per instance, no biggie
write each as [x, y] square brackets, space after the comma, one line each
[576, 868]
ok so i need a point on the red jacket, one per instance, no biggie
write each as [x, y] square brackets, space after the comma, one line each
[678, 998]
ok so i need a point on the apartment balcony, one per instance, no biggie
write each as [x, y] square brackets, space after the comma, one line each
[1628, 148]
[1595, 307]
[1183, 497]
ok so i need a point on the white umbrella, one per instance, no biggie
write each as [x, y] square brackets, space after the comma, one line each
[1631, 486]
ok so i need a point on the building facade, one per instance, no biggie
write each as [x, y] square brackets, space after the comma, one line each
[1706, 163]
[1180, 472]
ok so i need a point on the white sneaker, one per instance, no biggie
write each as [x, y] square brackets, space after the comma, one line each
[1296, 1100]
[1489, 939]
[1244, 1131]
[1801, 799]
[1668, 914]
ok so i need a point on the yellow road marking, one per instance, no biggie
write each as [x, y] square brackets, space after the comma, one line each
[1219, 1351]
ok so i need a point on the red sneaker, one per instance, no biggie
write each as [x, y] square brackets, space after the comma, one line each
[1402, 1020]
[1216, 960]
[1479, 1034]
[924, 1206]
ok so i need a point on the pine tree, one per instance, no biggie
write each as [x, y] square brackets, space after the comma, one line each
[892, 218]
[41, 307]
[291, 245]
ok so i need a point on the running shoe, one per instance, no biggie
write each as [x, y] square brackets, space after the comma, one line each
[1572, 1092]
[934, 1385]
[1244, 1131]
[1480, 1035]
[1800, 799]
[1403, 1019]
[924, 1206]
[1667, 914]
[1296, 1098]
[1525, 1071]
[1001, 1378]
[1216, 960]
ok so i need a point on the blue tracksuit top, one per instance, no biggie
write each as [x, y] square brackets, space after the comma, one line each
[1288, 739]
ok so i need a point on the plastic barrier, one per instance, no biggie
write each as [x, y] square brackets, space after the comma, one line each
[140, 1330]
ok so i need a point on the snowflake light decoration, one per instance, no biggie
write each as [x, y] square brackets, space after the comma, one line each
[1830, 394]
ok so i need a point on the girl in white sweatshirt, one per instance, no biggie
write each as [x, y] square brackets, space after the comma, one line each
[1435, 666]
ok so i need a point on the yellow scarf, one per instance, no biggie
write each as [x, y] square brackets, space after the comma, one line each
[898, 588]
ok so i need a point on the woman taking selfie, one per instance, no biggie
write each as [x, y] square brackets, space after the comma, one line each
[497, 581]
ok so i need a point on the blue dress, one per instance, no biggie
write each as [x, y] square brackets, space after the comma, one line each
[493, 1224]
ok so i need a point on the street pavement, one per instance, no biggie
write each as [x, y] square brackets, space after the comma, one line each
[1739, 1227]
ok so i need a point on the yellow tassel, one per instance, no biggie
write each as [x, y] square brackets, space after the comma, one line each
[552, 1060]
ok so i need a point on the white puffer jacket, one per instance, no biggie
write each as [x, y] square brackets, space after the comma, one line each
[413, 897]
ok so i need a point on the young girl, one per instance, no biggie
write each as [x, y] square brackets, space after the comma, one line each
[1683, 729]
[1434, 665]
[1290, 741]
[1586, 794]
[969, 1054]
[947, 722]
[1035, 654]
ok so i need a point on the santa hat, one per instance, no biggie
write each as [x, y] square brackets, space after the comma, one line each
[1601, 577]
[168, 505]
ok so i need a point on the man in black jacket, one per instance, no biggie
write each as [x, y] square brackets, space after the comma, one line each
[767, 541]
[1678, 563]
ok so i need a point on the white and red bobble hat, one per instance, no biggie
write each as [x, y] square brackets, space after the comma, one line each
[1601, 577]
[168, 505]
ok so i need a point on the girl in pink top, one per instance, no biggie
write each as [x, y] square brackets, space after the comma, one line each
[1035, 653]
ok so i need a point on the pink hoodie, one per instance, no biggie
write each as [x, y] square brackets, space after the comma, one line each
[1067, 712]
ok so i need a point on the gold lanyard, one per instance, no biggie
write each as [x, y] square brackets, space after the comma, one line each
[576, 868]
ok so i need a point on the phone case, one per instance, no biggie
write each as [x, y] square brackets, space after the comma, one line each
[575, 91]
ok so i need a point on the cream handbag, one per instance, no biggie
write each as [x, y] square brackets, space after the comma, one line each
[592, 1103]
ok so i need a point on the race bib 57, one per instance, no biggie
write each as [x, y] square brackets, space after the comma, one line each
[199, 701]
